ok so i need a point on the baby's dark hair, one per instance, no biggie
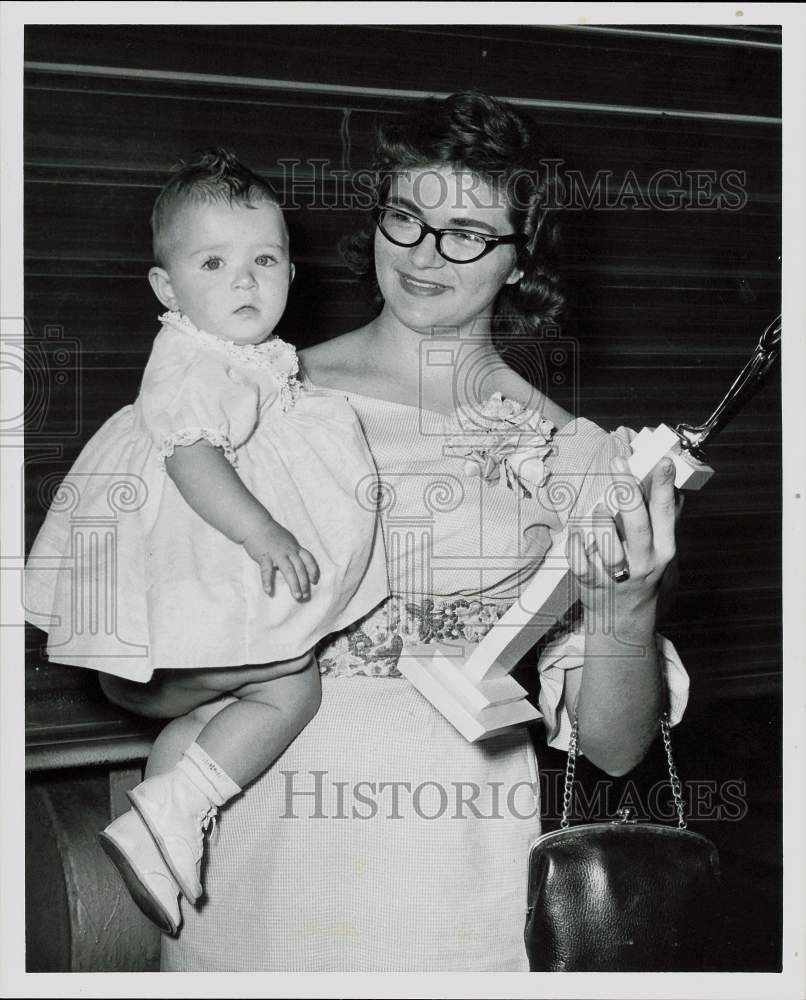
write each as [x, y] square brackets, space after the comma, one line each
[212, 175]
[474, 132]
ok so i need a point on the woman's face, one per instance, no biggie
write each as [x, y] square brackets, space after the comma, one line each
[422, 289]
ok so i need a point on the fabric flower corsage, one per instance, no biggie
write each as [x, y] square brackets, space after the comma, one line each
[505, 446]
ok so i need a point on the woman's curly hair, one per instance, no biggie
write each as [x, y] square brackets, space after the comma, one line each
[474, 132]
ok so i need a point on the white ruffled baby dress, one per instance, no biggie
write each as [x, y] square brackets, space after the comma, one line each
[125, 577]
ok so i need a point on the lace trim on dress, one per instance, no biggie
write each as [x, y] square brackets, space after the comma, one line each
[273, 355]
[190, 435]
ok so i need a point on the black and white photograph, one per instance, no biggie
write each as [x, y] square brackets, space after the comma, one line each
[403, 499]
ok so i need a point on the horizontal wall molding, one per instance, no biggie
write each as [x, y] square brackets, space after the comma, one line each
[387, 93]
[58, 173]
[672, 36]
[730, 37]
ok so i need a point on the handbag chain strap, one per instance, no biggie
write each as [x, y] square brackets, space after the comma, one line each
[674, 781]
[570, 770]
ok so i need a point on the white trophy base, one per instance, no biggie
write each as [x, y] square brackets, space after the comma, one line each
[477, 710]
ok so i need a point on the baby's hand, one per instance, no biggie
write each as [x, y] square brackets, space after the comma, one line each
[273, 547]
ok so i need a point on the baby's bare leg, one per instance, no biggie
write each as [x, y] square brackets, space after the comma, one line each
[249, 734]
[172, 693]
[177, 736]
[267, 707]
[163, 697]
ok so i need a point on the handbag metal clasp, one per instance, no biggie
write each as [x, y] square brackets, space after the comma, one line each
[625, 816]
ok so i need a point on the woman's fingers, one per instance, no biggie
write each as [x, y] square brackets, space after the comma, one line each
[662, 509]
[609, 545]
[577, 557]
[628, 500]
[630, 536]
[596, 555]
[648, 524]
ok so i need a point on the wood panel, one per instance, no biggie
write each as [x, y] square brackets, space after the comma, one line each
[532, 63]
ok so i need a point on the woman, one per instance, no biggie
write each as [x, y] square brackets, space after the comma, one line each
[382, 840]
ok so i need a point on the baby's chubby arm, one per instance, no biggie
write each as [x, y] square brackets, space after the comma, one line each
[211, 486]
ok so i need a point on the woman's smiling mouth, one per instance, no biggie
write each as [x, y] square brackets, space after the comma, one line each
[418, 286]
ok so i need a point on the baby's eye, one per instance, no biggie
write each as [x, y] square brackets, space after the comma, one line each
[212, 264]
[265, 260]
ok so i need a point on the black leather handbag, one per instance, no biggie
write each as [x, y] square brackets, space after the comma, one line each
[622, 896]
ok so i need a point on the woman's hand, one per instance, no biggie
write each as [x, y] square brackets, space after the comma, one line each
[619, 557]
[273, 547]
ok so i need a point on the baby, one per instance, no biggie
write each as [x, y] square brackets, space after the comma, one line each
[251, 544]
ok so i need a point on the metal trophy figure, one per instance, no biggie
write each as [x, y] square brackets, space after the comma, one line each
[476, 693]
[749, 379]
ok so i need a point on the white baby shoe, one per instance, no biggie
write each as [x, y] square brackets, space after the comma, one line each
[177, 813]
[151, 885]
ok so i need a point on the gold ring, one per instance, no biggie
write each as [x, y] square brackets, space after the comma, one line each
[622, 574]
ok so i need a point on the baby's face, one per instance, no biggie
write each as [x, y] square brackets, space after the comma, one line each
[228, 269]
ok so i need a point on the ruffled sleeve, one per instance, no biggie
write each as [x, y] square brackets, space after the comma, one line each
[189, 394]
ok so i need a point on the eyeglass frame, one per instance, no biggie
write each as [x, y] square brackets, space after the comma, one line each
[490, 242]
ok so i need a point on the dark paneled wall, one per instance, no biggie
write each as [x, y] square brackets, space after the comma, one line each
[672, 272]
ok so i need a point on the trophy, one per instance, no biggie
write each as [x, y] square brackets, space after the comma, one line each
[476, 693]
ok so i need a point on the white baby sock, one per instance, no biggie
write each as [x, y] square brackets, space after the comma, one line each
[208, 776]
